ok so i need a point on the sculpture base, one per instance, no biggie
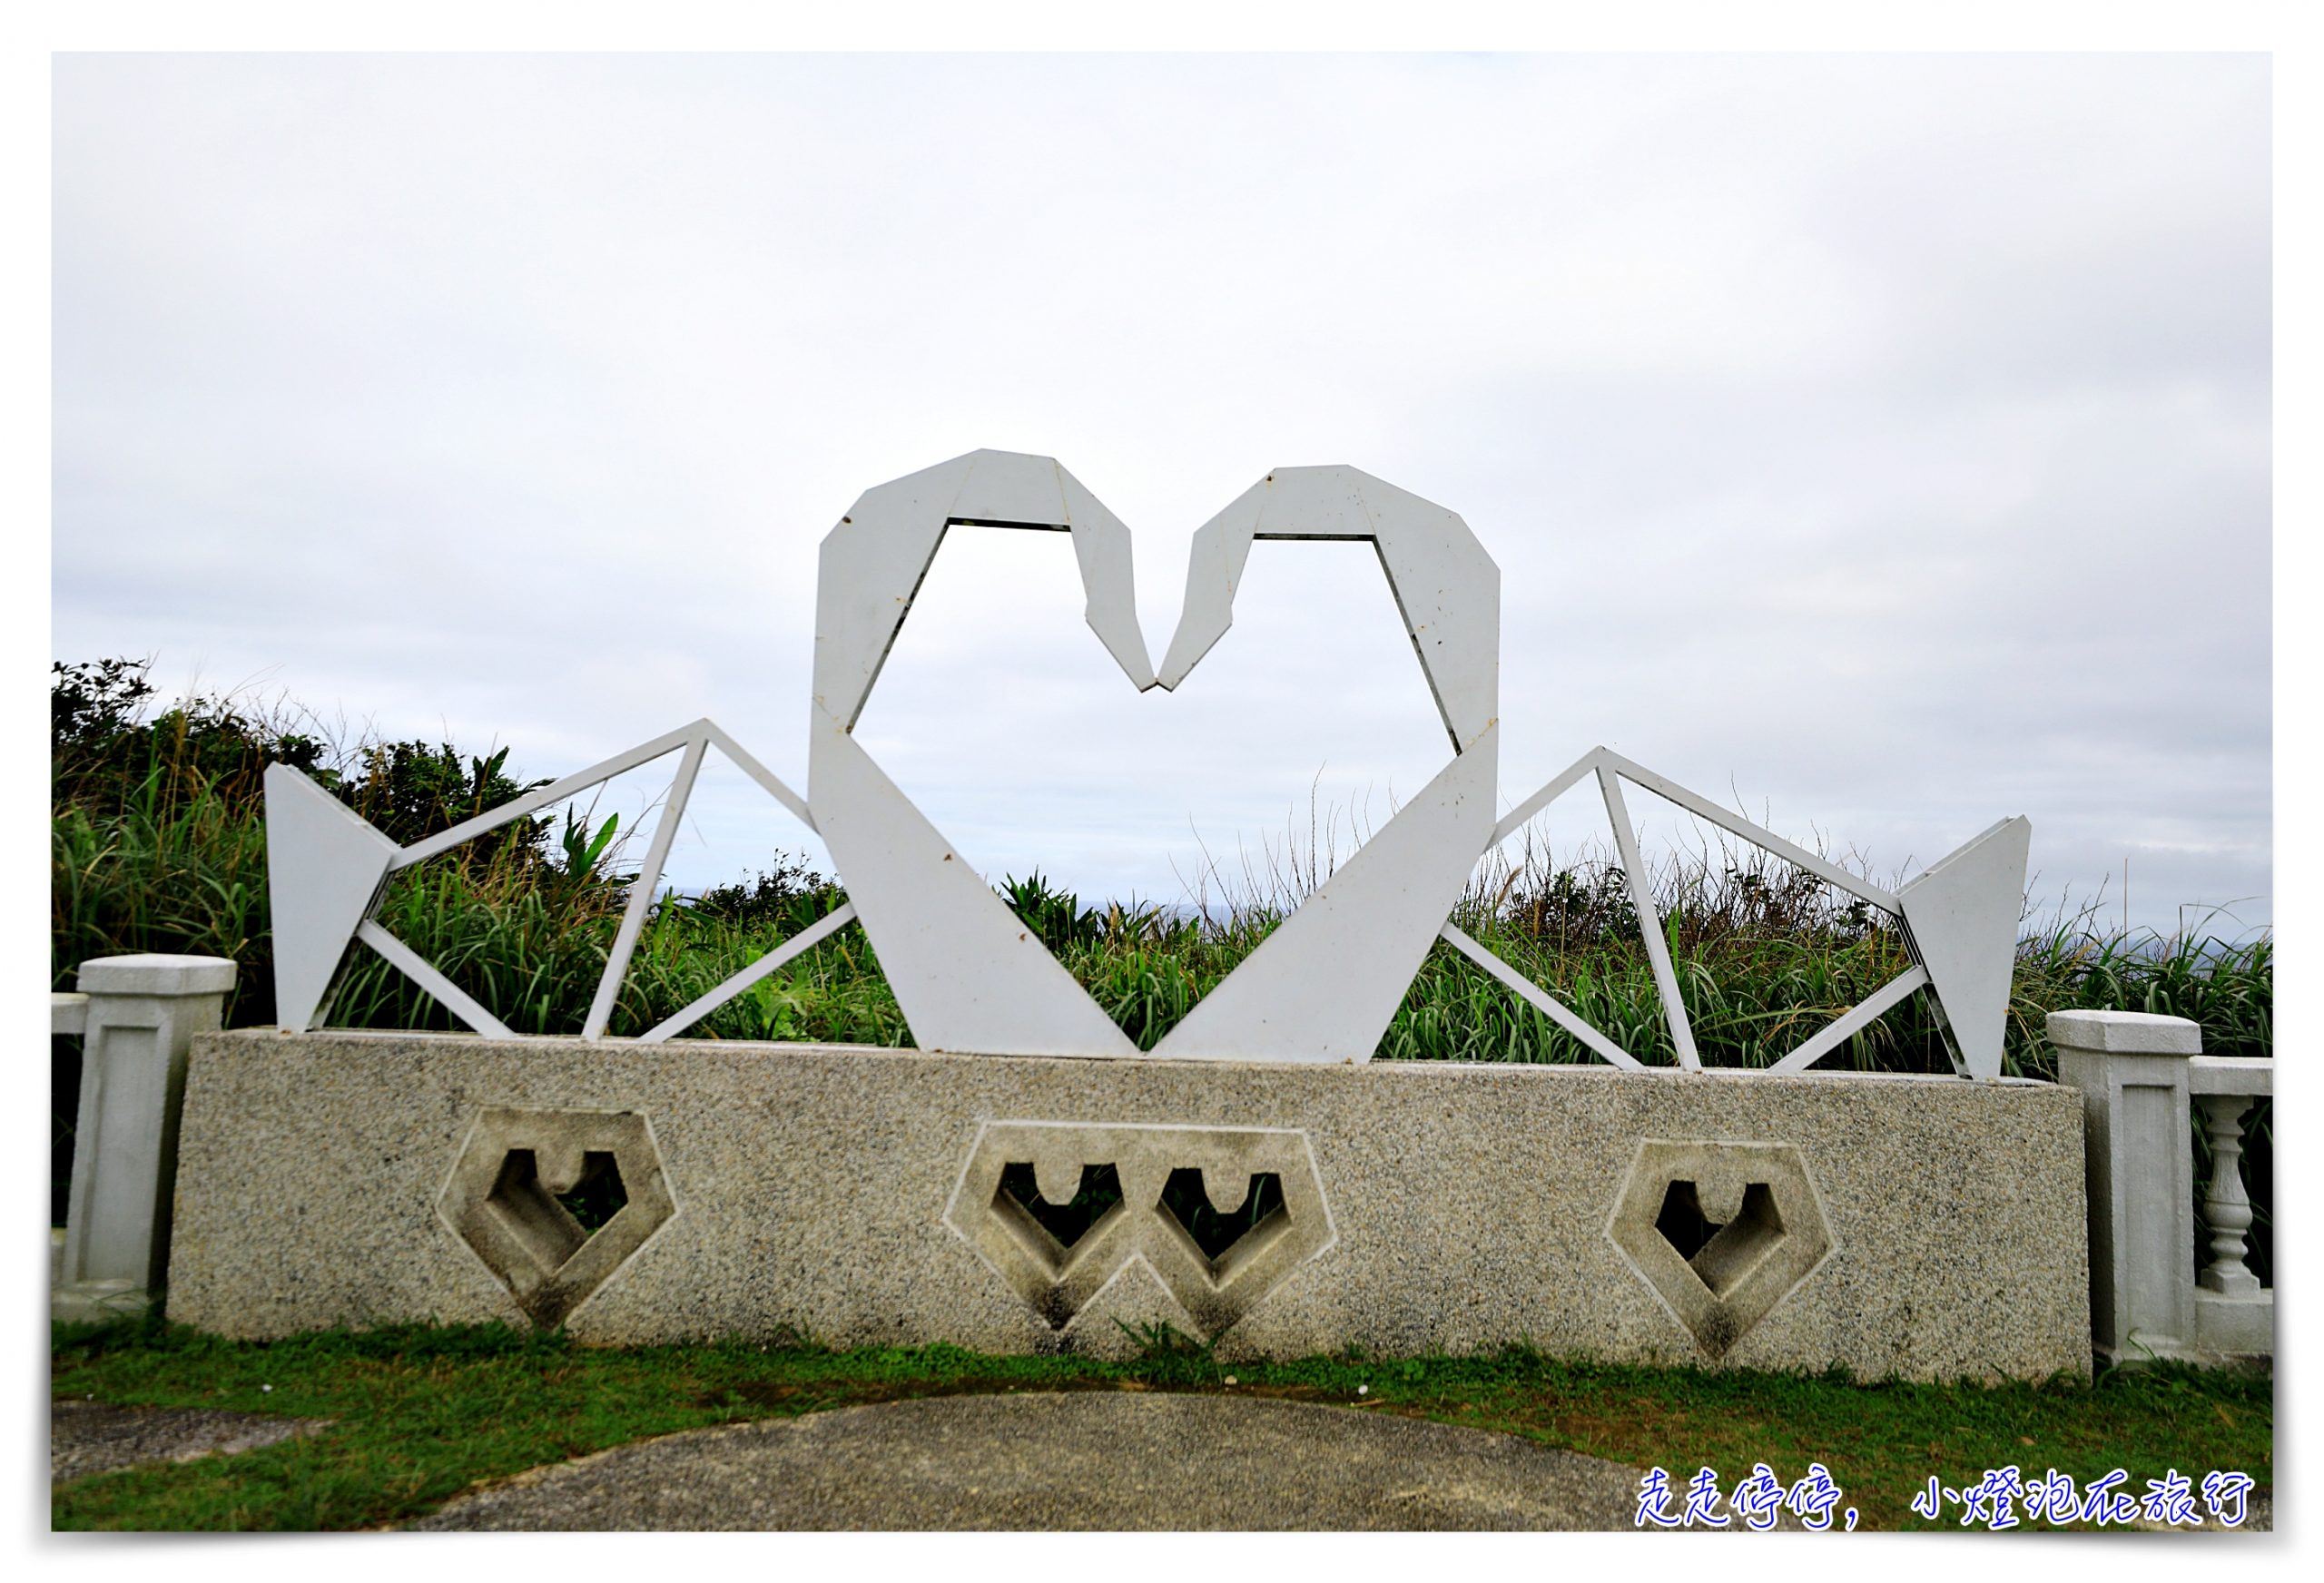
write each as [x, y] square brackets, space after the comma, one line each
[89, 1302]
[1906, 1227]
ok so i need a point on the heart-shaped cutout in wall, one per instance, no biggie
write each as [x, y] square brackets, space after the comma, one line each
[1720, 1232]
[1722, 1244]
[1219, 1216]
[517, 1181]
[968, 974]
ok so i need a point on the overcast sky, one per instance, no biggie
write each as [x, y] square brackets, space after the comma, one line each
[1879, 443]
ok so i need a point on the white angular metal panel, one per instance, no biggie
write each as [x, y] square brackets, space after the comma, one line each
[324, 867]
[1326, 984]
[645, 890]
[1694, 802]
[1649, 921]
[1446, 589]
[867, 575]
[1109, 581]
[1449, 591]
[1012, 489]
[1215, 563]
[968, 974]
[874, 560]
[1961, 919]
[644, 753]
[319, 855]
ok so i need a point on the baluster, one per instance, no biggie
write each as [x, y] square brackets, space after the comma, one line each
[2226, 1207]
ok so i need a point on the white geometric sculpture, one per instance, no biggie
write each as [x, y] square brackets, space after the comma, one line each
[967, 972]
[312, 867]
[1327, 982]
[1966, 907]
[324, 868]
[1961, 919]
[970, 977]
[1447, 589]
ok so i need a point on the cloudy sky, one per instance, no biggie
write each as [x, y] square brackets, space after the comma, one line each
[1879, 444]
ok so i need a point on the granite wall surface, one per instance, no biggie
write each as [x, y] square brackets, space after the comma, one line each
[1918, 1227]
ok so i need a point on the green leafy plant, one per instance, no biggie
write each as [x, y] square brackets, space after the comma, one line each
[583, 850]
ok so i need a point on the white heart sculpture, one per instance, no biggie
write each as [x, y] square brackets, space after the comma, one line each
[970, 977]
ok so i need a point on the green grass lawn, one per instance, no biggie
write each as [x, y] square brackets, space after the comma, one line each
[422, 1412]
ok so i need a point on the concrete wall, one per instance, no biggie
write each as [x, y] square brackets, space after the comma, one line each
[1921, 1227]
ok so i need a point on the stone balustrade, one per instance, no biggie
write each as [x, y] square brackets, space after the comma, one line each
[2142, 1078]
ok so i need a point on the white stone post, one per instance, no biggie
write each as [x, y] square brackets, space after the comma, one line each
[139, 1018]
[2132, 1069]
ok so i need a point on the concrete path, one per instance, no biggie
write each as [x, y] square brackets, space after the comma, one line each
[1081, 1460]
[93, 1436]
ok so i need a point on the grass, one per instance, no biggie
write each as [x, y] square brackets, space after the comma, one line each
[420, 1413]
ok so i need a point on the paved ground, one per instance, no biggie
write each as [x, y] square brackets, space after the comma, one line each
[91, 1437]
[1080, 1459]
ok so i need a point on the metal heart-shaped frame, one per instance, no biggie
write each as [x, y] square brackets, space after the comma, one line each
[966, 973]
